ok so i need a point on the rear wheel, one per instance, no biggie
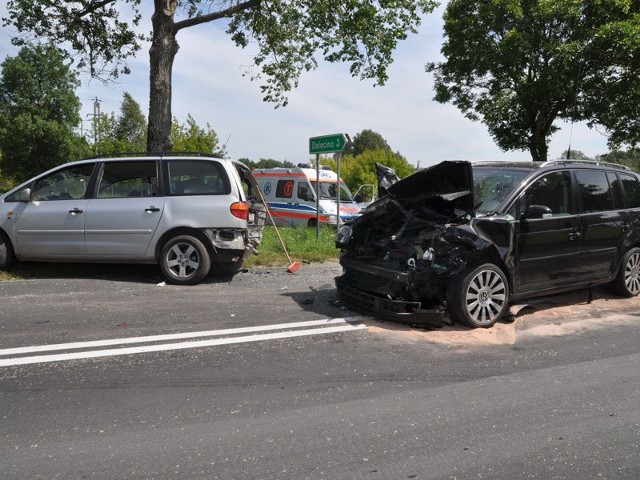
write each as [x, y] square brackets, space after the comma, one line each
[6, 252]
[184, 260]
[478, 296]
[627, 282]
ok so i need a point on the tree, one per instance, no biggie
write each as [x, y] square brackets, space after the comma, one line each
[368, 140]
[289, 34]
[360, 169]
[630, 158]
[574, 155]
[39, 112]
[520, 65]
[192, 138]
[131, 125]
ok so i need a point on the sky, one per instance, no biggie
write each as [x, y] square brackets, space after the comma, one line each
[208, 84]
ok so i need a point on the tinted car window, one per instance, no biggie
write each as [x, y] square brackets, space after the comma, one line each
[195, 177]
[631, 190]
[552, 190]
[594, 190]
[128, 179]
[616, 191]
[66, 184]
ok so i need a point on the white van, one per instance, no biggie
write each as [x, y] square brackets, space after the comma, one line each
[291, 196]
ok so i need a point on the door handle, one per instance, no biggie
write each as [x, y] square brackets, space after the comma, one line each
[75, 211]
[152, 209]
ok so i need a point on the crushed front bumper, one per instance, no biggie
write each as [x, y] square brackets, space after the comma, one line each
[399, 311]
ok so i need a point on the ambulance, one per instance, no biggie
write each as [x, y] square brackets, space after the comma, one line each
[291, 196]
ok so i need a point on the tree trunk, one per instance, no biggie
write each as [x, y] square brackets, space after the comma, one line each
[161, 55]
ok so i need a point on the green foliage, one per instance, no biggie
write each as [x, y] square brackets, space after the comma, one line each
[519, 66]
[38, 112]
[192, 138]
[301, 242]
[290, 35]
[630, 158]
[131, 125]
[574, 155]
[361, 169]
[125, 133]
[368, 140]
[95, 30]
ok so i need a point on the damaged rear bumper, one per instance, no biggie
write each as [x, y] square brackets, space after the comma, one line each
[386, 309]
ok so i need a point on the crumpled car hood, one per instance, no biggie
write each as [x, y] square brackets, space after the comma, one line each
[450, 181]
[413, 207]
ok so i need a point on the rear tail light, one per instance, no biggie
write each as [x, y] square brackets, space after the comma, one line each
[240, 210]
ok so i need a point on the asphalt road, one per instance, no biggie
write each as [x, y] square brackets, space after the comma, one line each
[117, 376]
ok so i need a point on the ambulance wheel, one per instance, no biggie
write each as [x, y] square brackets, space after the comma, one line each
[312, 222]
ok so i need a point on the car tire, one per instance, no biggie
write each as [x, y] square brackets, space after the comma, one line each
[478, 296]
[184, 260]
[627, 281]
[6, 252]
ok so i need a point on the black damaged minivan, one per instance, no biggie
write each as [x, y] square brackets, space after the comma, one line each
[471, 238]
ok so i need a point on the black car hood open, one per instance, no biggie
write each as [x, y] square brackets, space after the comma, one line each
[451, 180]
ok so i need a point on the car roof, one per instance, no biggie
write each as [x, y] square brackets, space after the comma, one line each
[560, 163]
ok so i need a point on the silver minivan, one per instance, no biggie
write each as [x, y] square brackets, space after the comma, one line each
[191, 214]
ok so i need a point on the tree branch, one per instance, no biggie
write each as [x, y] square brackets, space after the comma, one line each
[190, 22]
[92, 8]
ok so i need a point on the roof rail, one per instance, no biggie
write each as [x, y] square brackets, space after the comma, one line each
[155, 154]
[587, 162]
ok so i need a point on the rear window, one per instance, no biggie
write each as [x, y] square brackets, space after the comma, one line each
[197, 177]
[631, 190]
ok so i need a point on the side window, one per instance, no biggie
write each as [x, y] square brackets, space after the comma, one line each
[304, 191]
[67, 184]
[197, 177]
[552, 190]
[595, 191]
[284, 189]
[616, 191]
[631, 190]
[128, 179]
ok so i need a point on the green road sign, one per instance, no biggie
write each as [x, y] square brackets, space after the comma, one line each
[328, 143]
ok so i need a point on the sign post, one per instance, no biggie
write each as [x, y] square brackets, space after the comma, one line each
[335, 143]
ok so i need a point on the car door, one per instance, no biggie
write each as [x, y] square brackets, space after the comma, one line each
[547, 245]
[52, 223]
[124, 215]
[604, 224]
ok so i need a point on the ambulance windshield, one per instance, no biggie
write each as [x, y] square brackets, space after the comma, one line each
[328, 190]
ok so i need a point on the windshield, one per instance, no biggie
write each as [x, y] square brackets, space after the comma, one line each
[328, 190]
[492, 185]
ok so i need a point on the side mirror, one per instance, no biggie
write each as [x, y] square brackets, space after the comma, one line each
[537, 211]
[25, 195]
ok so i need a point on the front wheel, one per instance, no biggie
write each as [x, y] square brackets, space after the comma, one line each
[478, 296]
[627, 282]
[184, 260]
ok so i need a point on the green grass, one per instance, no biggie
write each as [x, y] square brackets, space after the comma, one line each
[301, 244]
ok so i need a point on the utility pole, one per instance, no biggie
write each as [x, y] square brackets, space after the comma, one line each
[96, 121]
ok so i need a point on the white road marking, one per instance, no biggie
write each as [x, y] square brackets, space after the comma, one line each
[341, 325]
